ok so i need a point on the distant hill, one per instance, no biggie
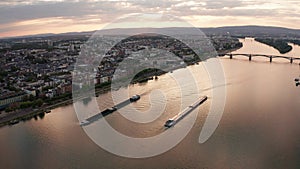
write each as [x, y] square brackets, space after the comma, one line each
[255, 31]
[238, 31]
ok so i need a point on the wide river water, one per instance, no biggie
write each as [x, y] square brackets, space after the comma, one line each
[260, 126]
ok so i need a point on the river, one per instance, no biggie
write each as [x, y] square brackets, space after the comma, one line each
[259, 127]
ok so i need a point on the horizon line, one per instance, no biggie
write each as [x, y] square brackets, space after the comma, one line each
[61, 33]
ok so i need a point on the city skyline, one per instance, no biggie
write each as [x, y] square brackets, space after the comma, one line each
[30, 17]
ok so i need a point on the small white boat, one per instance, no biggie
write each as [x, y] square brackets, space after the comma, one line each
[135, 98]
[84, 122]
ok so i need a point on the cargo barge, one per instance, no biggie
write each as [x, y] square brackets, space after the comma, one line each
[171, 122]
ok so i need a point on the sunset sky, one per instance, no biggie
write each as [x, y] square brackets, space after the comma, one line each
[26, 17]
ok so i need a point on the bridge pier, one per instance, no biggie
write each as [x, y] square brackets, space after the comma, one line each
[291, 60]
[230, 56]
[271, 58]
[250, 57]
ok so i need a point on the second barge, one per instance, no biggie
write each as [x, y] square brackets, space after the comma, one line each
[171, 122]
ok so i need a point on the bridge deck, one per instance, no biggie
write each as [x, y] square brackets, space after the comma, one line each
[259, 55]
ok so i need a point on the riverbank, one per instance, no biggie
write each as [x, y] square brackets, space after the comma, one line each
[29, 113]
[281, 45]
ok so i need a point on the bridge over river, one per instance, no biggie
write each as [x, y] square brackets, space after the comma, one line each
[250, 56]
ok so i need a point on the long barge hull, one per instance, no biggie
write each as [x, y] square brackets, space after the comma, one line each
[171, 122]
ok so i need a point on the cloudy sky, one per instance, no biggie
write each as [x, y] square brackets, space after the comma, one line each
[25, 17]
